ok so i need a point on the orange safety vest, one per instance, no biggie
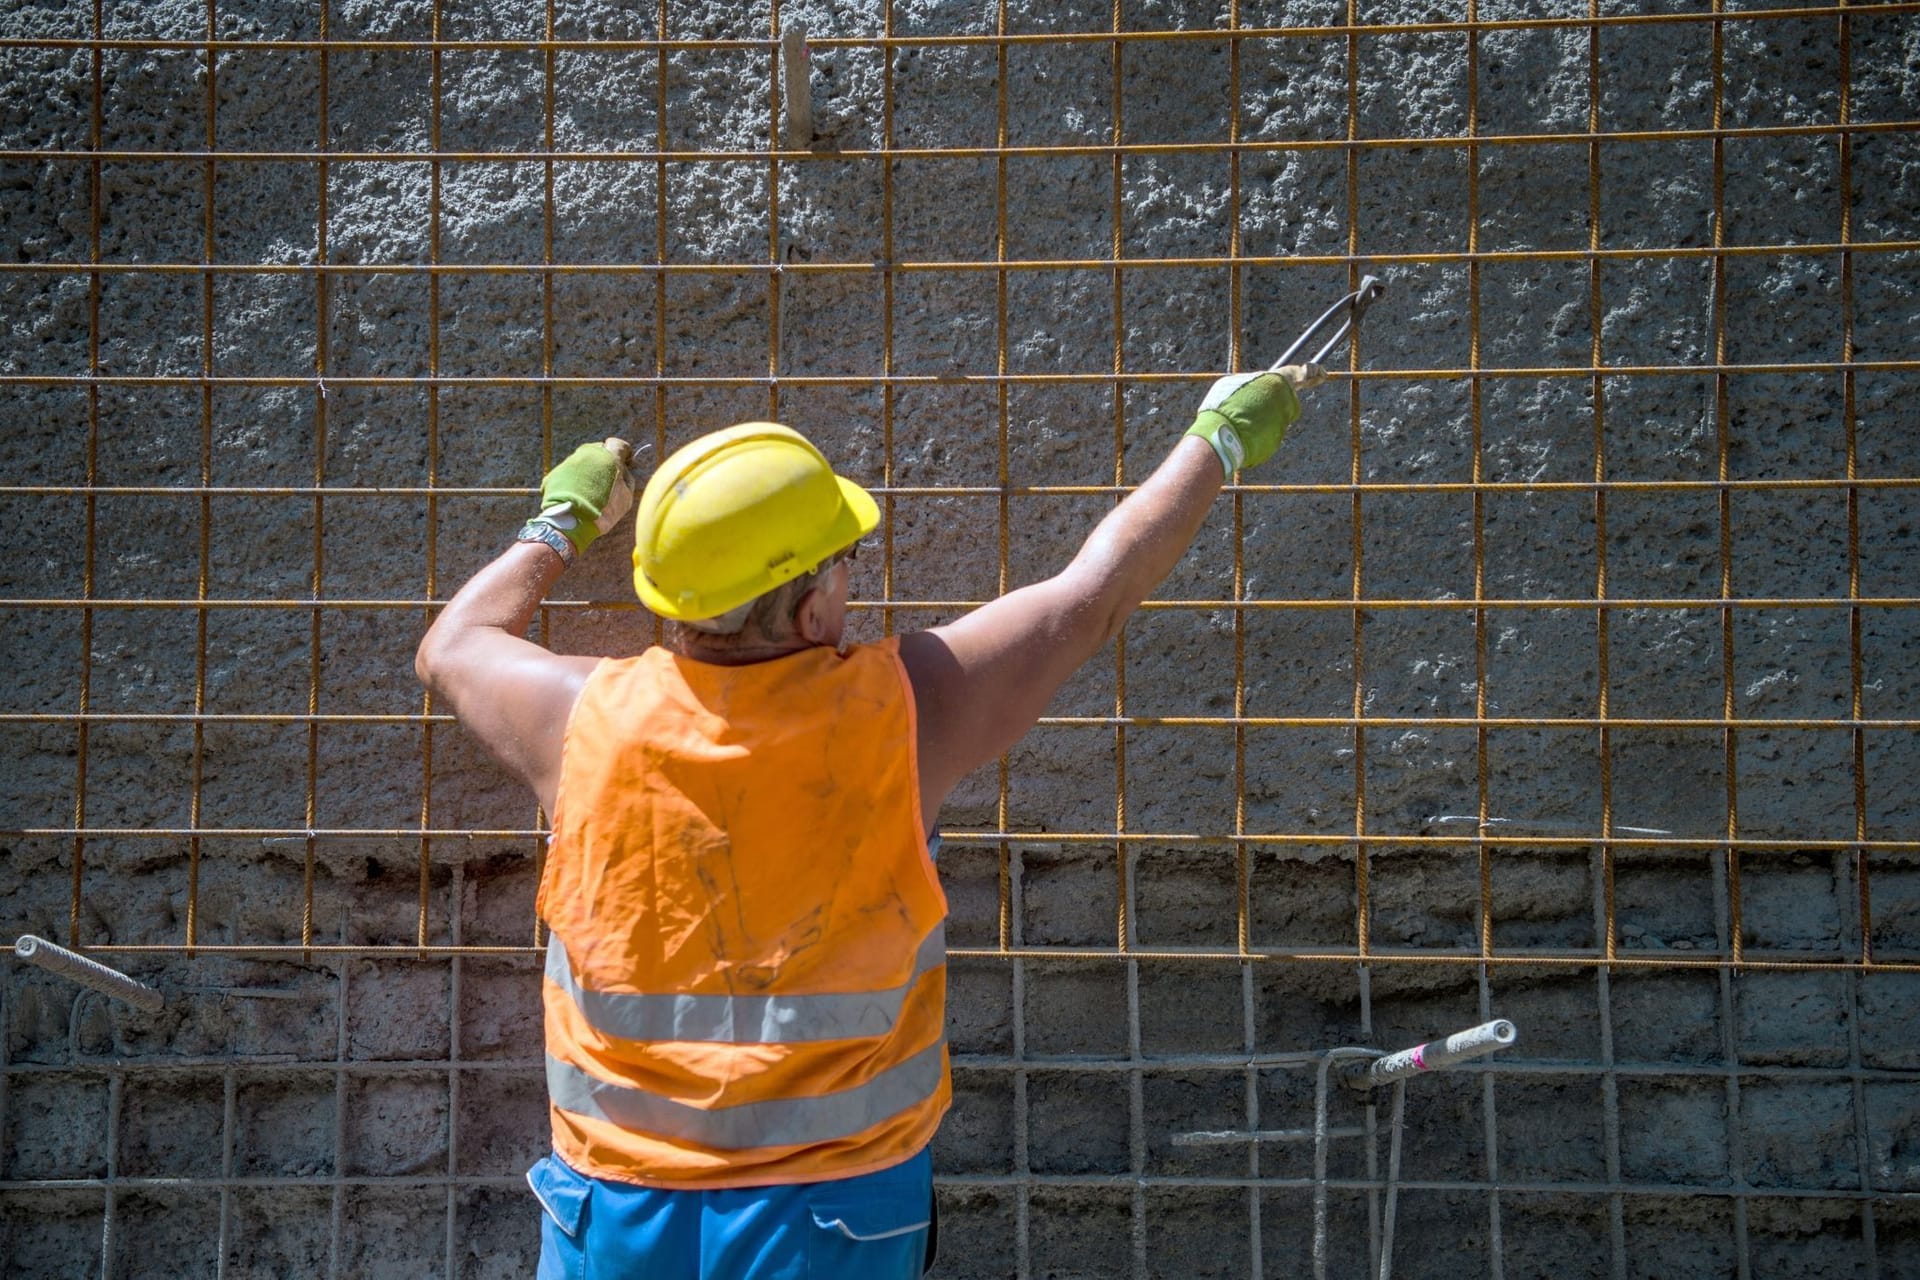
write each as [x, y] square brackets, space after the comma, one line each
[746, 975]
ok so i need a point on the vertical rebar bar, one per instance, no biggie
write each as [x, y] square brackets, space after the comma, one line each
[7, 999]
[318, 582]
[1363, 904]
[774, 131]
[1022, 1122]
[336, 1225]
[887, 391]
[1850, 420]
[1243, 852]
[1606, 924]
[209, 255]
[1003, 570]
[90, 514]
[1727, 868]
[1856, 677]
[1610, 1129]
[116, 1094]
[543, 616]
[1476, 474]
[661, 211]
[224, 1239]
[1122, 853]
[1489, 1103]
[1596, 321]
[436, 105]
[1723, 472]
[454, 967]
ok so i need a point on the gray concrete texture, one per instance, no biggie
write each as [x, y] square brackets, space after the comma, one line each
[369, 1114]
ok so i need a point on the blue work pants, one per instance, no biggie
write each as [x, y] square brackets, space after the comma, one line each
[876, 1226]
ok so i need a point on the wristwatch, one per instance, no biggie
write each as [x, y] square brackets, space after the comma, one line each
[537, 530]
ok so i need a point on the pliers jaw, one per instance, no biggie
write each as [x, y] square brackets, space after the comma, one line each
[1343, 317]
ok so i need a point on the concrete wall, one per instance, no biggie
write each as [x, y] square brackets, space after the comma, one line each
[367, 1111]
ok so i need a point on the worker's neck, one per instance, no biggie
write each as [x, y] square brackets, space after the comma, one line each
[733, 651]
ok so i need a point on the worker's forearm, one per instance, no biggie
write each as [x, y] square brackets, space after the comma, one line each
[502, 596]
[1136, 546]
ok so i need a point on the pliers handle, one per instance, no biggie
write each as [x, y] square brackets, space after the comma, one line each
[1345, 313]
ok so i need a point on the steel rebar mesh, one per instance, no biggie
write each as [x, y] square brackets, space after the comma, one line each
[1020, 845]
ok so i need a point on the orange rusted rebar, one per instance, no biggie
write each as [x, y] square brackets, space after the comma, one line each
[1025, 150]
[1487, 841]
[1596, 322]
[1470, 26]
[945, 266]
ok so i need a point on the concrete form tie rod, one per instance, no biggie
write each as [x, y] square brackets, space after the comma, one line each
[1461, 1046]
[88, 973]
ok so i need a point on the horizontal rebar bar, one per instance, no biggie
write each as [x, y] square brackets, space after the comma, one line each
[1241, 1137]
[1380, 957]
[1225, 262]
[1809, 724]
[1128, 1181]
[1181, 1063]
[1168, 839]
[1535, 1186]
[1537, 373]
[268, 1065]
[1784, 484]
[1533, 488]
[1473, 26]
[1362, 605]
[1037, 151]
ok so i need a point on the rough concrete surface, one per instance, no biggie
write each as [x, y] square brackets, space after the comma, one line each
[369, 1113]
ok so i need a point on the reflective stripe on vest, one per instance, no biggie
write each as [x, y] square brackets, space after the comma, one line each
[784, 1122]
[731, 1019]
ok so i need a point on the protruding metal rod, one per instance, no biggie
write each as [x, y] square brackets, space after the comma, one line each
[1346, 313]
[88, 973]
[1461, 1046]
[1239, 1137]
[796, 87]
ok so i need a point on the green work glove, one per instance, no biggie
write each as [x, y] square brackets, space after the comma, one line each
[1245, 416]
[587, 494]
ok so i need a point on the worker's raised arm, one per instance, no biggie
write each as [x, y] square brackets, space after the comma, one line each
[509, 693]
[983, 679]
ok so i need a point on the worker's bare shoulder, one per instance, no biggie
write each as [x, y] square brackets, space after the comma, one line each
[931, 667]
[569, 672]
[981, 680]
[943, 725]
[550, 683]
[985, 648]
[515, 699]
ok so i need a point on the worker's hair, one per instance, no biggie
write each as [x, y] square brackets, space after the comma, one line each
[765, 617]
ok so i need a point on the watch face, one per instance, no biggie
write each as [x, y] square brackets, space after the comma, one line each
[537, 531]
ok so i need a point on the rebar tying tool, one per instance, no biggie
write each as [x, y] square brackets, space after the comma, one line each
[1346, 312]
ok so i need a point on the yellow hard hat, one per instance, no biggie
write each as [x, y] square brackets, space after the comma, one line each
[736, 513]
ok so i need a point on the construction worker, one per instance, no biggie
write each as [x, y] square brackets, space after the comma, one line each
[745, 982]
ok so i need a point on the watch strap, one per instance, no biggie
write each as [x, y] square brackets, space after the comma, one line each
[538, 530]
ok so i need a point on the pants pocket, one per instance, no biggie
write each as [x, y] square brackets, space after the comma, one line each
[869, 1232]
[562, 1193]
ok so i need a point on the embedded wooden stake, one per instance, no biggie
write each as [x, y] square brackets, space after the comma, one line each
[796, 90]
